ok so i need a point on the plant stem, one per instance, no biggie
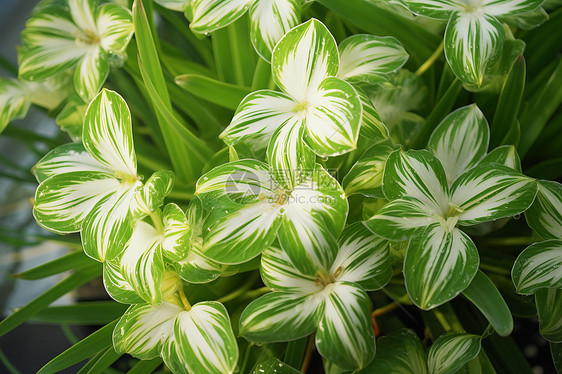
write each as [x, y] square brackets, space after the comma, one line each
[514, 240]
[184, 301]
[379, 312]
[233, 295]
[157, 221]
[308, 354]
[427, 64]
[246, 357]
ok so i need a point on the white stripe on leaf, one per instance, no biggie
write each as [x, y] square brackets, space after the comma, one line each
[211, 15]
[545, 215]
[538, 266]
[503, 8]
[440, 9]
[14, 101]
[450, 352]
[115, 27]
[117, 286]
[91, 72]
[549, 310]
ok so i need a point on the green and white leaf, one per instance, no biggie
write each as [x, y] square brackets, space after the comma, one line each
[256, 119]
[365, 176]
[269, 21]
[14, 101]
[114, 25]
[549, 309]
[117, 286]
[369, 58]
[450, 352]
[440, 9]
[473, 42]
[303, 58]
[528, 20]
[108, 136]
[91, 72]
[279, 273]
[538, 266]
[177, 233]
[67, 158]
[177, 5]
[372, 126]
[440, 263]
[545, 215]
[363, 258]
[400, 218]
[509, 7]
[143, 329]
[460, 141]
[399, 352]
[345, 334]
[142, 264]
[504, 155]
[334, 121]
[211, 15]
[204, 338]
[419, 175]
[280, 316]
[489, 192]
[151, 195]
[197, 269]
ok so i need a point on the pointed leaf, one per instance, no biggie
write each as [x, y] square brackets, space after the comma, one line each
[491, 191]
[117, 286]
[82, 12]
[416, 174]
[151, 195]
[62, 202]
[195, 268]
[504, 155]
[256, 119]
[399, 352]
[303, 58]
[363, 258]
[67, 158]
[91, 72]
[142, 264]
[177, 233]
[143, 329]
[369, 58]
[269, 21]
[473, 41]
[440, 9]
[115, 27]
[14, 101]
[211, 15]
[344, 332]
[280, 316]
[538, 266]
[333, 122]
[509, 7]
[107, 133]
[206, 328]
[439, 264]
[460, 141]
[549, 309]
[450, 352]
[545, 215]
[371, 123]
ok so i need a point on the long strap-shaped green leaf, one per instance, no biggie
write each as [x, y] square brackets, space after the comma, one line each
[73, 260]
[103, 360]
[85, 313]
[197, 151]
[68, 284]
[85, 348]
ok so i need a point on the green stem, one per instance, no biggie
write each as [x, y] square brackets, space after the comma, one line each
[512, 241]
[157, 221]
[431, 60]
[246, 357]
[233, 295]
[184, 301]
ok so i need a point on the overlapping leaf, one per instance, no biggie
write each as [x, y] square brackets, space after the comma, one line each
[538, 266]
[545, 215]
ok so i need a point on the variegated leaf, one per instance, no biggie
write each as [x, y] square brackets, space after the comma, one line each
[151, 195]
[49, 43]
[91, 72]
[289, 157]
[369, 58]
[14, 101]
[527, 20]
[372, 126]
[279, 273]
[143, 329]
[538, 266]
[177, 5]
[345, 335]
[269, 21]
[63, 201]
[114, 25]
[280, 316]
[363, 258]
[365, 176]
[333, 119]
[171, 357]
[473, 41]
[108, 136]
[109, 225]
[204, 338]
[400, 218]
[117, 286]
[549, 309]
[440, 9]
[399, 352]
[257, 118]
[71, 117]
[303, 58]
[450, 352]
[504, 155]
[489, 192]
[419, 175]
[313, 218]
[509, 7]
[82, 12]
[197, 269]
[211, 15]
[142, 263]
[67, 158]
[439, 265]
[545, 215]
[460, 141]
[177, 233]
